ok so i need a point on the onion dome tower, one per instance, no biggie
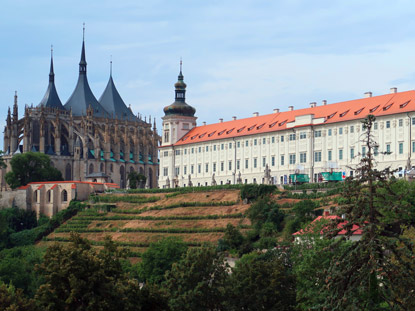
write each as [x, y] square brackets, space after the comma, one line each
[178, 117]
[179, 107]
[113, 103]
[82, 97]
[51, 98]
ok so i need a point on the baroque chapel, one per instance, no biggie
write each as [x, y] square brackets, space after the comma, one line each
[87, 139]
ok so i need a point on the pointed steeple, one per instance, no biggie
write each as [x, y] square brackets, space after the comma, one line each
[179, 107]
[113, 103]
[82, 97]
[15, 108]
[51, 98]
[82, 63]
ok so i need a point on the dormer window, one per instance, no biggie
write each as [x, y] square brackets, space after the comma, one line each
[343, 114]
[387, 107]
[260, 126]
[331, 116]
[221, 132]
[358, 111]
[374, 109]
[282, 123]
[252, 127]
[230, 131]
[404, 104]
[201, 136]
[211, 134]
[273, 124]
[241, 129]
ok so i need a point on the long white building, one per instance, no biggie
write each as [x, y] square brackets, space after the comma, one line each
[269, 148]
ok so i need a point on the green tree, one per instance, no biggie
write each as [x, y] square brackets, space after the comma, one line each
[262, 282]
[198, 282]
[265, 210]
[232, 239]
[12, 299]
[79, 278]
[136, 180]
[371, 274]
[159, 257]
[31, 166]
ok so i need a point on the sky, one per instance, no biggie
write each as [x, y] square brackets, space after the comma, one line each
[239, 56]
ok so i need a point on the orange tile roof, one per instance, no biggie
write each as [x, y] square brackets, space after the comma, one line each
[54, 186]
[73, 186]
[309, 229]
[393, 103]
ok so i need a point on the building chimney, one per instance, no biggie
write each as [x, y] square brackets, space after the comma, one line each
[220, 120]
[234, 118]
[204, 122]
[368, 94]
[324, 102]
[394, 90]
[276, 110]
[255, 114]
[313, 104]
[290, 108]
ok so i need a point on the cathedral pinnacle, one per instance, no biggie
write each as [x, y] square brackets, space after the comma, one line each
[51, 73]
[82, 63]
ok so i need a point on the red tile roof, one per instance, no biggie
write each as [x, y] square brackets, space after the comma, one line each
[332, 113]
[355, 229]
[54, 186]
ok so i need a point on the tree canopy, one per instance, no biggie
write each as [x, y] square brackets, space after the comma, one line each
[29, 167]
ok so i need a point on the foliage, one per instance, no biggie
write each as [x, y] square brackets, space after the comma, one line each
[262, 282]
[307, 186]
[263, 211]
[123, 198]
[29, 167]
[186, 189]
[372, 273]
[12, 299]
[232, 239]
[136, 180]
[159, 258]
[254, 191]
[16, 267]
[79, 278]
[199, 281]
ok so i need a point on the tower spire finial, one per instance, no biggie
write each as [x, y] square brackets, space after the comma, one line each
[181, 63]
[83, 31]
[51, 72]
[82, 63]
[111, 65]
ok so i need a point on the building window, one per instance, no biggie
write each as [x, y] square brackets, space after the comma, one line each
[317, 133]
[207, 148]
[413, 146]
[363, 151]
[351, 153]
[329, 132]
[388, 124]
[292, 137]
[282, 159]
[351, 129]
[246, 163]
[272, 139]
[340, 154]
[193, 150]
[400, 122]
[264, 161]
[292, 158]
[165, 171]
[200, 149]
[177, 171]
[375, 126]
[64, 196]
[214, 167]
[282, 138]
[246, 143]
[376, 150]
[400, 148]
[222, 166]
[199, 168]
[388, 148]
[239, 144]
[264, 141]
[230, 165]
[329, 153]
[303, 157]
[272, 161]
[49, 196]
[177, 152]
[222, 146]
[238, 164]
[185, 151]
[255, 162]
[192, 170]
[255, 142]
[214, 147]
[413, 121]
[340, 131]
[207, 168]
[230, 145]
[166, 153]
[317, 156]
[303, 135]
[185, 170]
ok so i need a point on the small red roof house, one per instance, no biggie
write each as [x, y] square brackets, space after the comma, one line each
[356, 231]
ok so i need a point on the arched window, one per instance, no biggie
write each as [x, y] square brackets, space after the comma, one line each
[101, 167]
[64, 196]
[91, 168]
[49, 196]
[36, 196]
[68, 172]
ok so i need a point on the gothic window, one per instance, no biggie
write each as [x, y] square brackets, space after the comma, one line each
[49, 196]
[101, 168]
[64, 196]
[91, 168]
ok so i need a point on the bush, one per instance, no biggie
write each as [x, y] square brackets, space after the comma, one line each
[253, 191]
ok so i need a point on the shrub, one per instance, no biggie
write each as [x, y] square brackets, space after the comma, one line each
[253, 191]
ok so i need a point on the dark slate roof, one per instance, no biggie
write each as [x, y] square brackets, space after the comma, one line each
[180, 107]
[113, 103]
[82, 97]
[51, 98]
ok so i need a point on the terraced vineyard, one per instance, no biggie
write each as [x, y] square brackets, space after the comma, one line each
[136, 220]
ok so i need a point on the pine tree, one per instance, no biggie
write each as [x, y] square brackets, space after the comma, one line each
[374, 273]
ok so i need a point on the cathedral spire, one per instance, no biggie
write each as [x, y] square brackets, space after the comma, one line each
[82, 63]
[15, 108]
[51, 73]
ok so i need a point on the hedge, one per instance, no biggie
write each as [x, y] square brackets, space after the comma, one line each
[186, 189]
[124, 198]
[254, 191]
[126, 217]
